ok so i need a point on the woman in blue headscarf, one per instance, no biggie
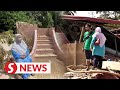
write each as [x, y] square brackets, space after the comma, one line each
[20, 52]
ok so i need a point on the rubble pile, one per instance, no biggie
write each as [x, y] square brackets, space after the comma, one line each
[90, 74]
[72, 75]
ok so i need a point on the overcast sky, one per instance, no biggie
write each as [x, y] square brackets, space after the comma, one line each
[86, 13]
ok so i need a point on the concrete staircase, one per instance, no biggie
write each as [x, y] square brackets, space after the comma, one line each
[45, 52]
[45, 49]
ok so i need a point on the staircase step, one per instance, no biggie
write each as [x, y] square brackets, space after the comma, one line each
[44, 41]
[43, 37]
[44, 46]
[44, 51]
[45, 56]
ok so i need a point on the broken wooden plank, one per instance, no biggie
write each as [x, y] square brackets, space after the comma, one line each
[111, 64]
[96, 71]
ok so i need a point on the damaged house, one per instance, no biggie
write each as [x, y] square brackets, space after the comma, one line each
[77, 22]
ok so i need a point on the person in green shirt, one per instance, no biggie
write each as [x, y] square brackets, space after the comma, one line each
[87, 38]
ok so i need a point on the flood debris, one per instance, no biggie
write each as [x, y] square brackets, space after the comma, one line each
[91, 73]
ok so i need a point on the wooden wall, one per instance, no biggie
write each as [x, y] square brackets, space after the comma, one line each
[74, 54]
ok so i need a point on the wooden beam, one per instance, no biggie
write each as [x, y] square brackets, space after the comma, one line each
[82, 33]
[75, 53]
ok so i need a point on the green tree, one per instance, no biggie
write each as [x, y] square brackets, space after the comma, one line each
[9, 18]
[109, 14]
[6, 21]
[41, 18]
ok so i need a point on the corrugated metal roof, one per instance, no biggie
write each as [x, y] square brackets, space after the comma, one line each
[96, 20]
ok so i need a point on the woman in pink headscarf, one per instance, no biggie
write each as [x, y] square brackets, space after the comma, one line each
[98, 47]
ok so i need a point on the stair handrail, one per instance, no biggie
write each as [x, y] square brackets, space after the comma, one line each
[53, 30]
[35, 43]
